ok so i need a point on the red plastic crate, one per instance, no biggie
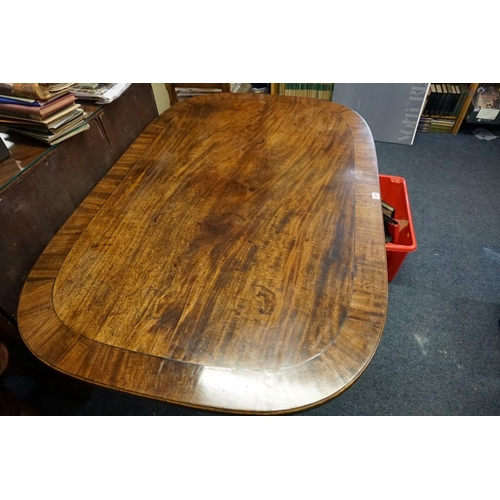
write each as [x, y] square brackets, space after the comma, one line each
[393, 191]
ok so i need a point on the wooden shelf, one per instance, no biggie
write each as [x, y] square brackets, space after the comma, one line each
[465, 108]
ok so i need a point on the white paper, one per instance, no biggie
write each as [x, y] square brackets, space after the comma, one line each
[114, 92]
[482, 133]
[488, 113]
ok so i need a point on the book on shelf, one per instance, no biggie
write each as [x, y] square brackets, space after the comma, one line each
[452, 95]
[443, 106]
[454, 100]
[439, 99]
[445, 99]
[323, 91]
[448, 93]
[436, 125]
[441, 125]
[424, 124]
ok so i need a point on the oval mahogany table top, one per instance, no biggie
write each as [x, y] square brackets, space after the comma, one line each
[233, 260]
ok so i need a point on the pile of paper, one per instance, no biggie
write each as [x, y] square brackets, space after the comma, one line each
[100, 93]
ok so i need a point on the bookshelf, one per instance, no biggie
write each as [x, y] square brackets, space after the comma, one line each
[446, 107]
[323, 91]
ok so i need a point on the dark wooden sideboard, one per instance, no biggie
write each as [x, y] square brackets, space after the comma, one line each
[40, 187]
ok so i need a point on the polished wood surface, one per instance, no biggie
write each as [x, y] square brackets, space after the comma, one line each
[232, 259]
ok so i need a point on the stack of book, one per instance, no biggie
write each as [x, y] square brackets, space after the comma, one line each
[47, 112]
[441, 125]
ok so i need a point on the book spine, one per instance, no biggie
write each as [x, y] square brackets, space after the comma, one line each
[446, 101]
[439, 103]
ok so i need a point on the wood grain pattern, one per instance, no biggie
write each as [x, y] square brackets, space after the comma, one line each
[232, 259]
